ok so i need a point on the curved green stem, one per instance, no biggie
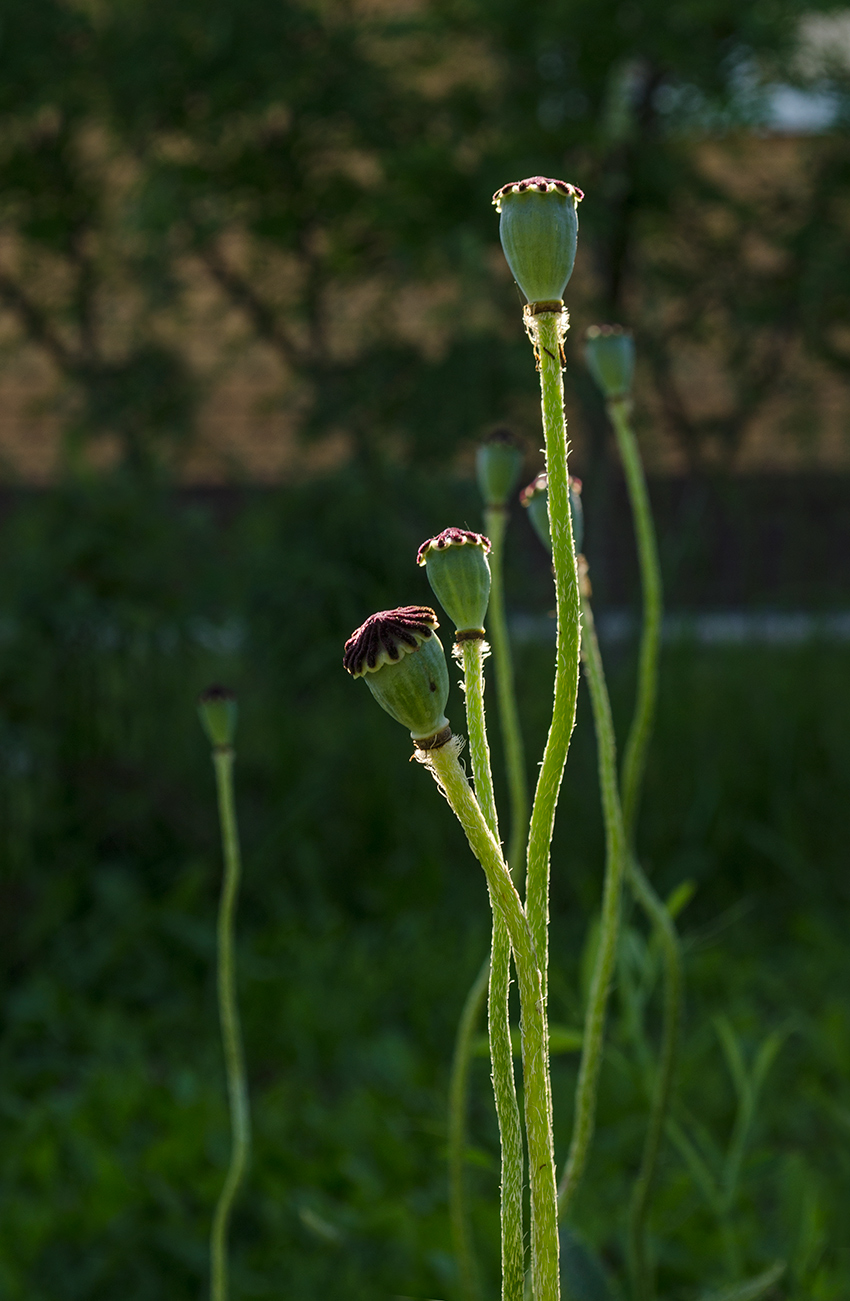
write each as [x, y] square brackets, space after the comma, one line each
[495, 523]
[446, 768]
[230, 1029]
[665, 929]
[547, 332]
[615, 845]
[634, 763]
[501, 1052]
[634, 755]
[458, 1093]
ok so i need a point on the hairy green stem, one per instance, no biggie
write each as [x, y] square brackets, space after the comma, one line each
[631, 780]
[501, 1051]
[231, 1033]
[495, 523]
[547, 332]
[447, 770]
[606, 954]
[470, 1285]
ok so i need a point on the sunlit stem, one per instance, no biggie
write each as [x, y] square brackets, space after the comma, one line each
[447, 770]
[606, 954]
[231, 1033]
[501, 1052]
[495, 524]
[631, 781]
[547, 332]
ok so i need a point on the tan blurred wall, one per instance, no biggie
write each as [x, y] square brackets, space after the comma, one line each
[249, 420]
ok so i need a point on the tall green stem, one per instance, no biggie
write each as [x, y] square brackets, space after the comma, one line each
[470, 1285]
[615, 844]
[446, 768]
[634, 755]
[230, 1029]
[501, 1051]
[634, 763]
[547, 332]
[511, 1136]
[665, 929]
[495, 523]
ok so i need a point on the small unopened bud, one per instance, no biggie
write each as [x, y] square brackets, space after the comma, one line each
[610, 355]
[535, 498]
[498, 462]
[401, 658]
[539, 232]
[217, 710]
[459, 573]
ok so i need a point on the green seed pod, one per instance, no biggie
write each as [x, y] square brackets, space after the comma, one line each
[535, 498]
[610, 355]
[498, 462]
[459, 573]
[401, 657]
[539, 230]
[217, 711]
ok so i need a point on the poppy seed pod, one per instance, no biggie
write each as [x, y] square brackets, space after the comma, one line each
[217, 710]
[459, 573]
[402, 660]
[535, 498]
[539, 231]
[610, 354]
[498, 462]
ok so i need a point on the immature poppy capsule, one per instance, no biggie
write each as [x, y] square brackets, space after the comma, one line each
[401, 658]
[459, 573]
[498, 462]
[610, 354]
[539, 232]
[535, 498]
[217, 710]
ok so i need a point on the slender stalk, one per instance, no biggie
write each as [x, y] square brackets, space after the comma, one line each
[547, 332]
[231, 1033]
[470, 1285]
[615, 845]
[495, 523]
[631, 780]
[501, 1051]
[446, 768]
[665, 929]
[634, 755]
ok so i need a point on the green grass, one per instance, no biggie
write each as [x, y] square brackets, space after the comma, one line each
[364, 918]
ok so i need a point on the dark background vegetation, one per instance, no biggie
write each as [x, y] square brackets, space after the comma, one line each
[324, 167]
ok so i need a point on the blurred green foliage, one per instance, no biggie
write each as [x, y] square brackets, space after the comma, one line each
[363, 920]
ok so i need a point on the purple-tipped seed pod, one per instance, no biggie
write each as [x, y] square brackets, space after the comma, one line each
[459, 573]
[217, 711]
[401, 658]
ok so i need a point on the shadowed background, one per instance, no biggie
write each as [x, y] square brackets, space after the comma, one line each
[254, 320]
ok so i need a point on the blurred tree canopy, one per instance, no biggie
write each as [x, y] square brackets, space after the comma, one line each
[325, 170]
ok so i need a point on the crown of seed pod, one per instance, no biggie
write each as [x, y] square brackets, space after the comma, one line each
[539, 231]
[459, 573]
[401, 658]
[498, 462]
[217, 711]
[610, 354]
[535, 498]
